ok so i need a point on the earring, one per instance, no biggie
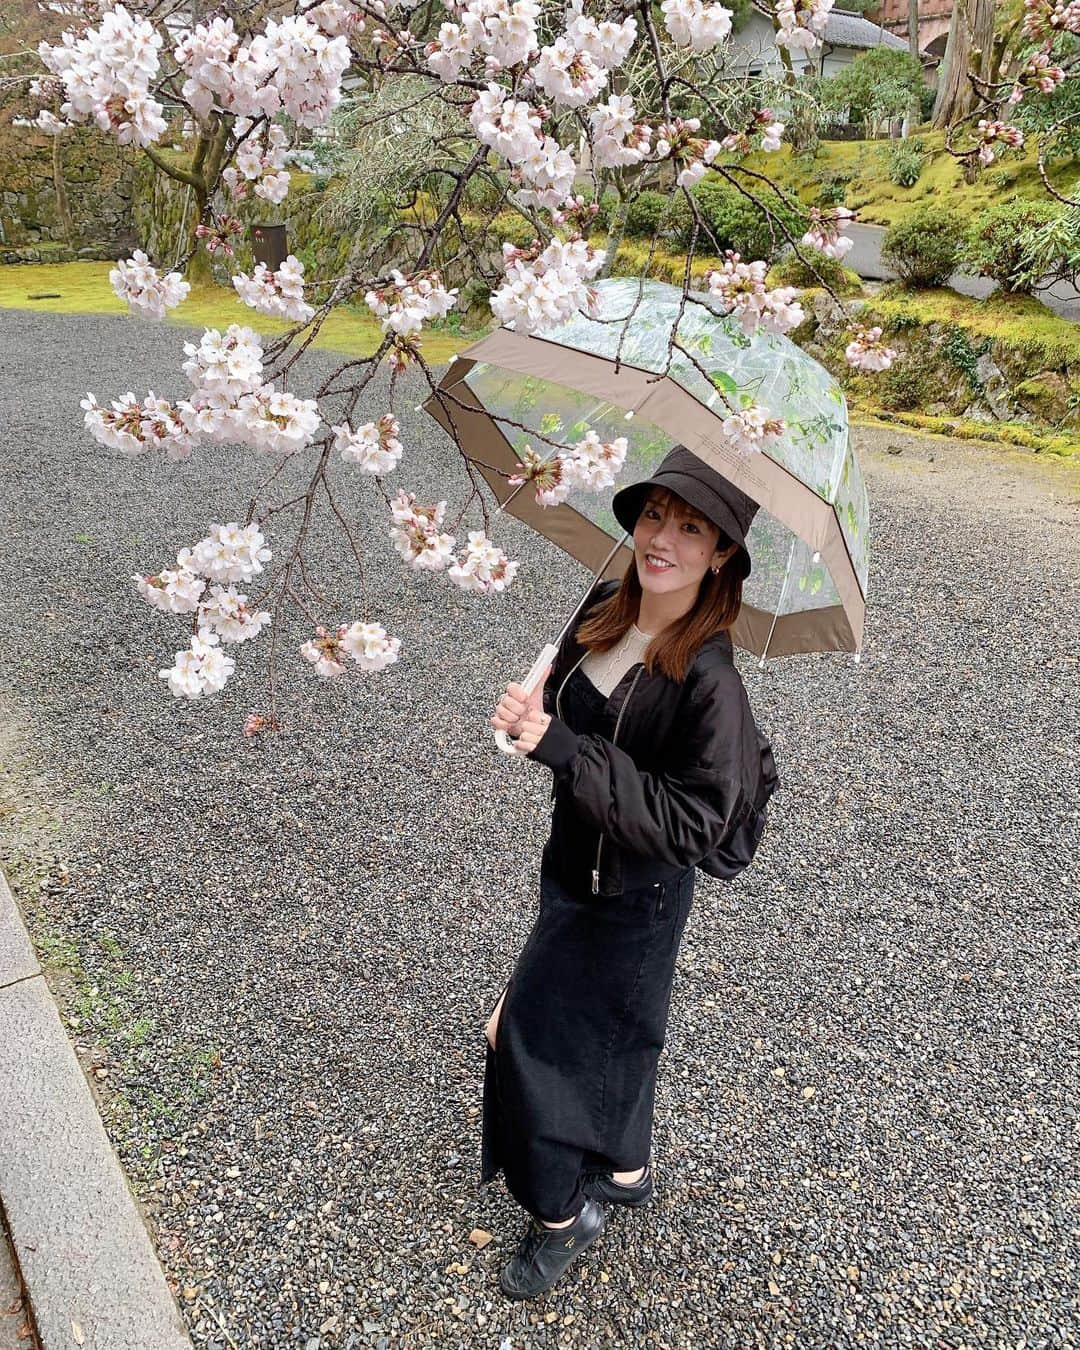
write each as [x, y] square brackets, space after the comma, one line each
[715, 571]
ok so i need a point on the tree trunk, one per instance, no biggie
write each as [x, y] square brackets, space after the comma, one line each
[969, 47]
[914, 112]
[200, 177]
[199, 271]
[63, 210]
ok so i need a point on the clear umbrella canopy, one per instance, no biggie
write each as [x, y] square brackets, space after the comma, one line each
[661, 370]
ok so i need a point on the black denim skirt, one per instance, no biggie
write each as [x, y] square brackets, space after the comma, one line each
[570, 1085]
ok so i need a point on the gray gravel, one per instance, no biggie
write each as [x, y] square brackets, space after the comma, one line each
[288, 948]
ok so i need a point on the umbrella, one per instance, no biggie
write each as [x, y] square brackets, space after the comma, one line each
[618, 374]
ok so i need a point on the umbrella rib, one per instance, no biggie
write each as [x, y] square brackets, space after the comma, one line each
[588, 591]
[779, 603]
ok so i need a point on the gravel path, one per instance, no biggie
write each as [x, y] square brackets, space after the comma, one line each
[867, 1115]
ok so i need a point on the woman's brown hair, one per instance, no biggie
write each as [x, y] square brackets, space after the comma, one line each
[671, 652]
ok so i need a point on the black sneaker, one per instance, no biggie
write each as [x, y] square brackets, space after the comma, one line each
[600, 1186]
[545, 1254]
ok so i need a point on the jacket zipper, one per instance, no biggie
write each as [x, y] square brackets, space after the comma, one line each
[614, 741]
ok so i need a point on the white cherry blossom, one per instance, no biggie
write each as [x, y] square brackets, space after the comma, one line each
[866, 351]
[802, 23]
[594, 464]
[695, 24]
[175, 590]
[324, 652]
[502, 32]
[824, 232]
[617, 139]
[306, 64]
[568, 76]
[416, 534]
[133, 427]
[483, 566]
[691, 153]
[46, 121]
[231, 552]
[259, 161]
[407, 303]
[752, 428]
[279, 293]
[374, 447]
[509, 126]
[106, 74]
[547, 290]
[550, 171]
[607, 42]
[137, 281]
[548, 476]
[200, 669]
[369, 645]
[339, 18]
[227, 613]
[275, 421]
[228, 363]
[741, 287]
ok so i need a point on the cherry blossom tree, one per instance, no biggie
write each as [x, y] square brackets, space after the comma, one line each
[534, 100]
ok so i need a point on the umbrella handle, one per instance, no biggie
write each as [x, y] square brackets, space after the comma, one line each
[529, 683]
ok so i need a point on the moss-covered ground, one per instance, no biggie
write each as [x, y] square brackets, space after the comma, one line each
[83, 288]
[879, 201]
[1019, 321]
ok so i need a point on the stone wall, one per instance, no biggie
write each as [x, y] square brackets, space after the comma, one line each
[99, 179]
[162, 216]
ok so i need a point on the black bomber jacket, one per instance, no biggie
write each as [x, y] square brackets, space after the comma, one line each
[679, 775]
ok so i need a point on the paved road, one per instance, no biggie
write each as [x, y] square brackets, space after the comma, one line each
[865, 258]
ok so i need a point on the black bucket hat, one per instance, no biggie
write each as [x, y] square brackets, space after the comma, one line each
[709, 492]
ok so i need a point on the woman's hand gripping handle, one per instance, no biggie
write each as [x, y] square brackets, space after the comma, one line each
[520, 711]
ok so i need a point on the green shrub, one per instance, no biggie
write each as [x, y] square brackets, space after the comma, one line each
[907, 385]
[922, 247]
[998, 243]
[510, 228]
[790, 271]
[877, 86]
[609, 204]
[833, 186]
[484, 192]
[646, 212]
[735, 222]
[905, 162]
[958, 350]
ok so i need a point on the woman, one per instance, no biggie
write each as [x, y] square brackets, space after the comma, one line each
[658, 768]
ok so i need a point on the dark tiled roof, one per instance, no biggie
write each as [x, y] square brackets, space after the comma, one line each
[844, 28]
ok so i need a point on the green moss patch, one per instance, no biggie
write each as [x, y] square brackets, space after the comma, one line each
[84, 289]
[1021, 323]
[865, 166]
[1009, 433]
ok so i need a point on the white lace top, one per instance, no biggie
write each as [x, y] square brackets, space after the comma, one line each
[606, 669]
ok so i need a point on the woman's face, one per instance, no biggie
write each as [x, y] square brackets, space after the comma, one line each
[674, 545]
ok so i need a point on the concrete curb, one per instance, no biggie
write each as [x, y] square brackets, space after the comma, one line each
[80, 1241]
